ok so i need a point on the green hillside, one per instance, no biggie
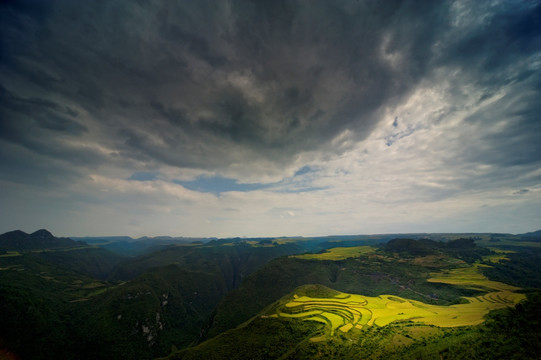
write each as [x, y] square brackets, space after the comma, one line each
[385, 271]
[249, 299]
[151, 303]
[234, 259]
[147, 316]
[74, 255]
[320, 322]
[508, 333]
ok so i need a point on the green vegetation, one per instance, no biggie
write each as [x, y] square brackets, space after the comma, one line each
[470, 277]
[261, 339]
[92, 261]
[372, 273]
[10, 253]
[508, 333]
[338, 253]
[39, 303]
[409, 298]
[345, 311]
[521, 268]
[148, 305]
[462, 248]
[235, 261]
[76, 316]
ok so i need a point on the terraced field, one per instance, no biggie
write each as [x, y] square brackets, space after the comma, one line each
[344, 312]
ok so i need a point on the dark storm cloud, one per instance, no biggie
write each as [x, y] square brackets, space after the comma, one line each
[40, 112]
[180, 82]
[38, 124]
[276, 77]
[30, 167]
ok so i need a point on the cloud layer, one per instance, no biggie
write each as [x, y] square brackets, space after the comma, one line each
[270, 117]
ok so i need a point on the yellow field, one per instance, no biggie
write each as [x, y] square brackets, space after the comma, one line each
[11, 254]
[470, 277]
[501, 255]
[501, 251]
[384, 309]
[338, 253]
[346, 311]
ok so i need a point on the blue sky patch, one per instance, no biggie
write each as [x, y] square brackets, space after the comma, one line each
[304, 170]
[218, 184]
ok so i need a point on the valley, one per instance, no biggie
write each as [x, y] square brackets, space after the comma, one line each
[288, 298]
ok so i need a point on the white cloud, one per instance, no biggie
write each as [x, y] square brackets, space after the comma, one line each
[180, 98]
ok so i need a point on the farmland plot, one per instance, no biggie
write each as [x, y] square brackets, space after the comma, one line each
[344, 312]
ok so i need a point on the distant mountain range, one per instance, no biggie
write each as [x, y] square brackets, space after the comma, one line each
[129, 246]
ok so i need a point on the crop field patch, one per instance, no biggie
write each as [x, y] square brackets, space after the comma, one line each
[339, 253]
[368, 311]
[10, 254]
[344, 312]
[470, 277]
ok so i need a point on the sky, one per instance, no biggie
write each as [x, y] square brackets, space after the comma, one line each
[270, 118]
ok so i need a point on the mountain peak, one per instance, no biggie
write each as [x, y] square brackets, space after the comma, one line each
[42, 233]
[42, 239]
[16, 234]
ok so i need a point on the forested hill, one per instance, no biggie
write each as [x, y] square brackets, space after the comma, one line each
[533, 236]
[74, 255]
[40, 240]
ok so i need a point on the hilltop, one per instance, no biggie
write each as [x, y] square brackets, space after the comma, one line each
[39, 240]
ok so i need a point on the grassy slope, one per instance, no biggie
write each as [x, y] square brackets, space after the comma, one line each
[261, 339]
[399, 340]
[371, 275]
[345, 311]
[508, 333]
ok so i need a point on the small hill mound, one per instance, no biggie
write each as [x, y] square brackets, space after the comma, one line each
[531, 236]
[412, 247]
